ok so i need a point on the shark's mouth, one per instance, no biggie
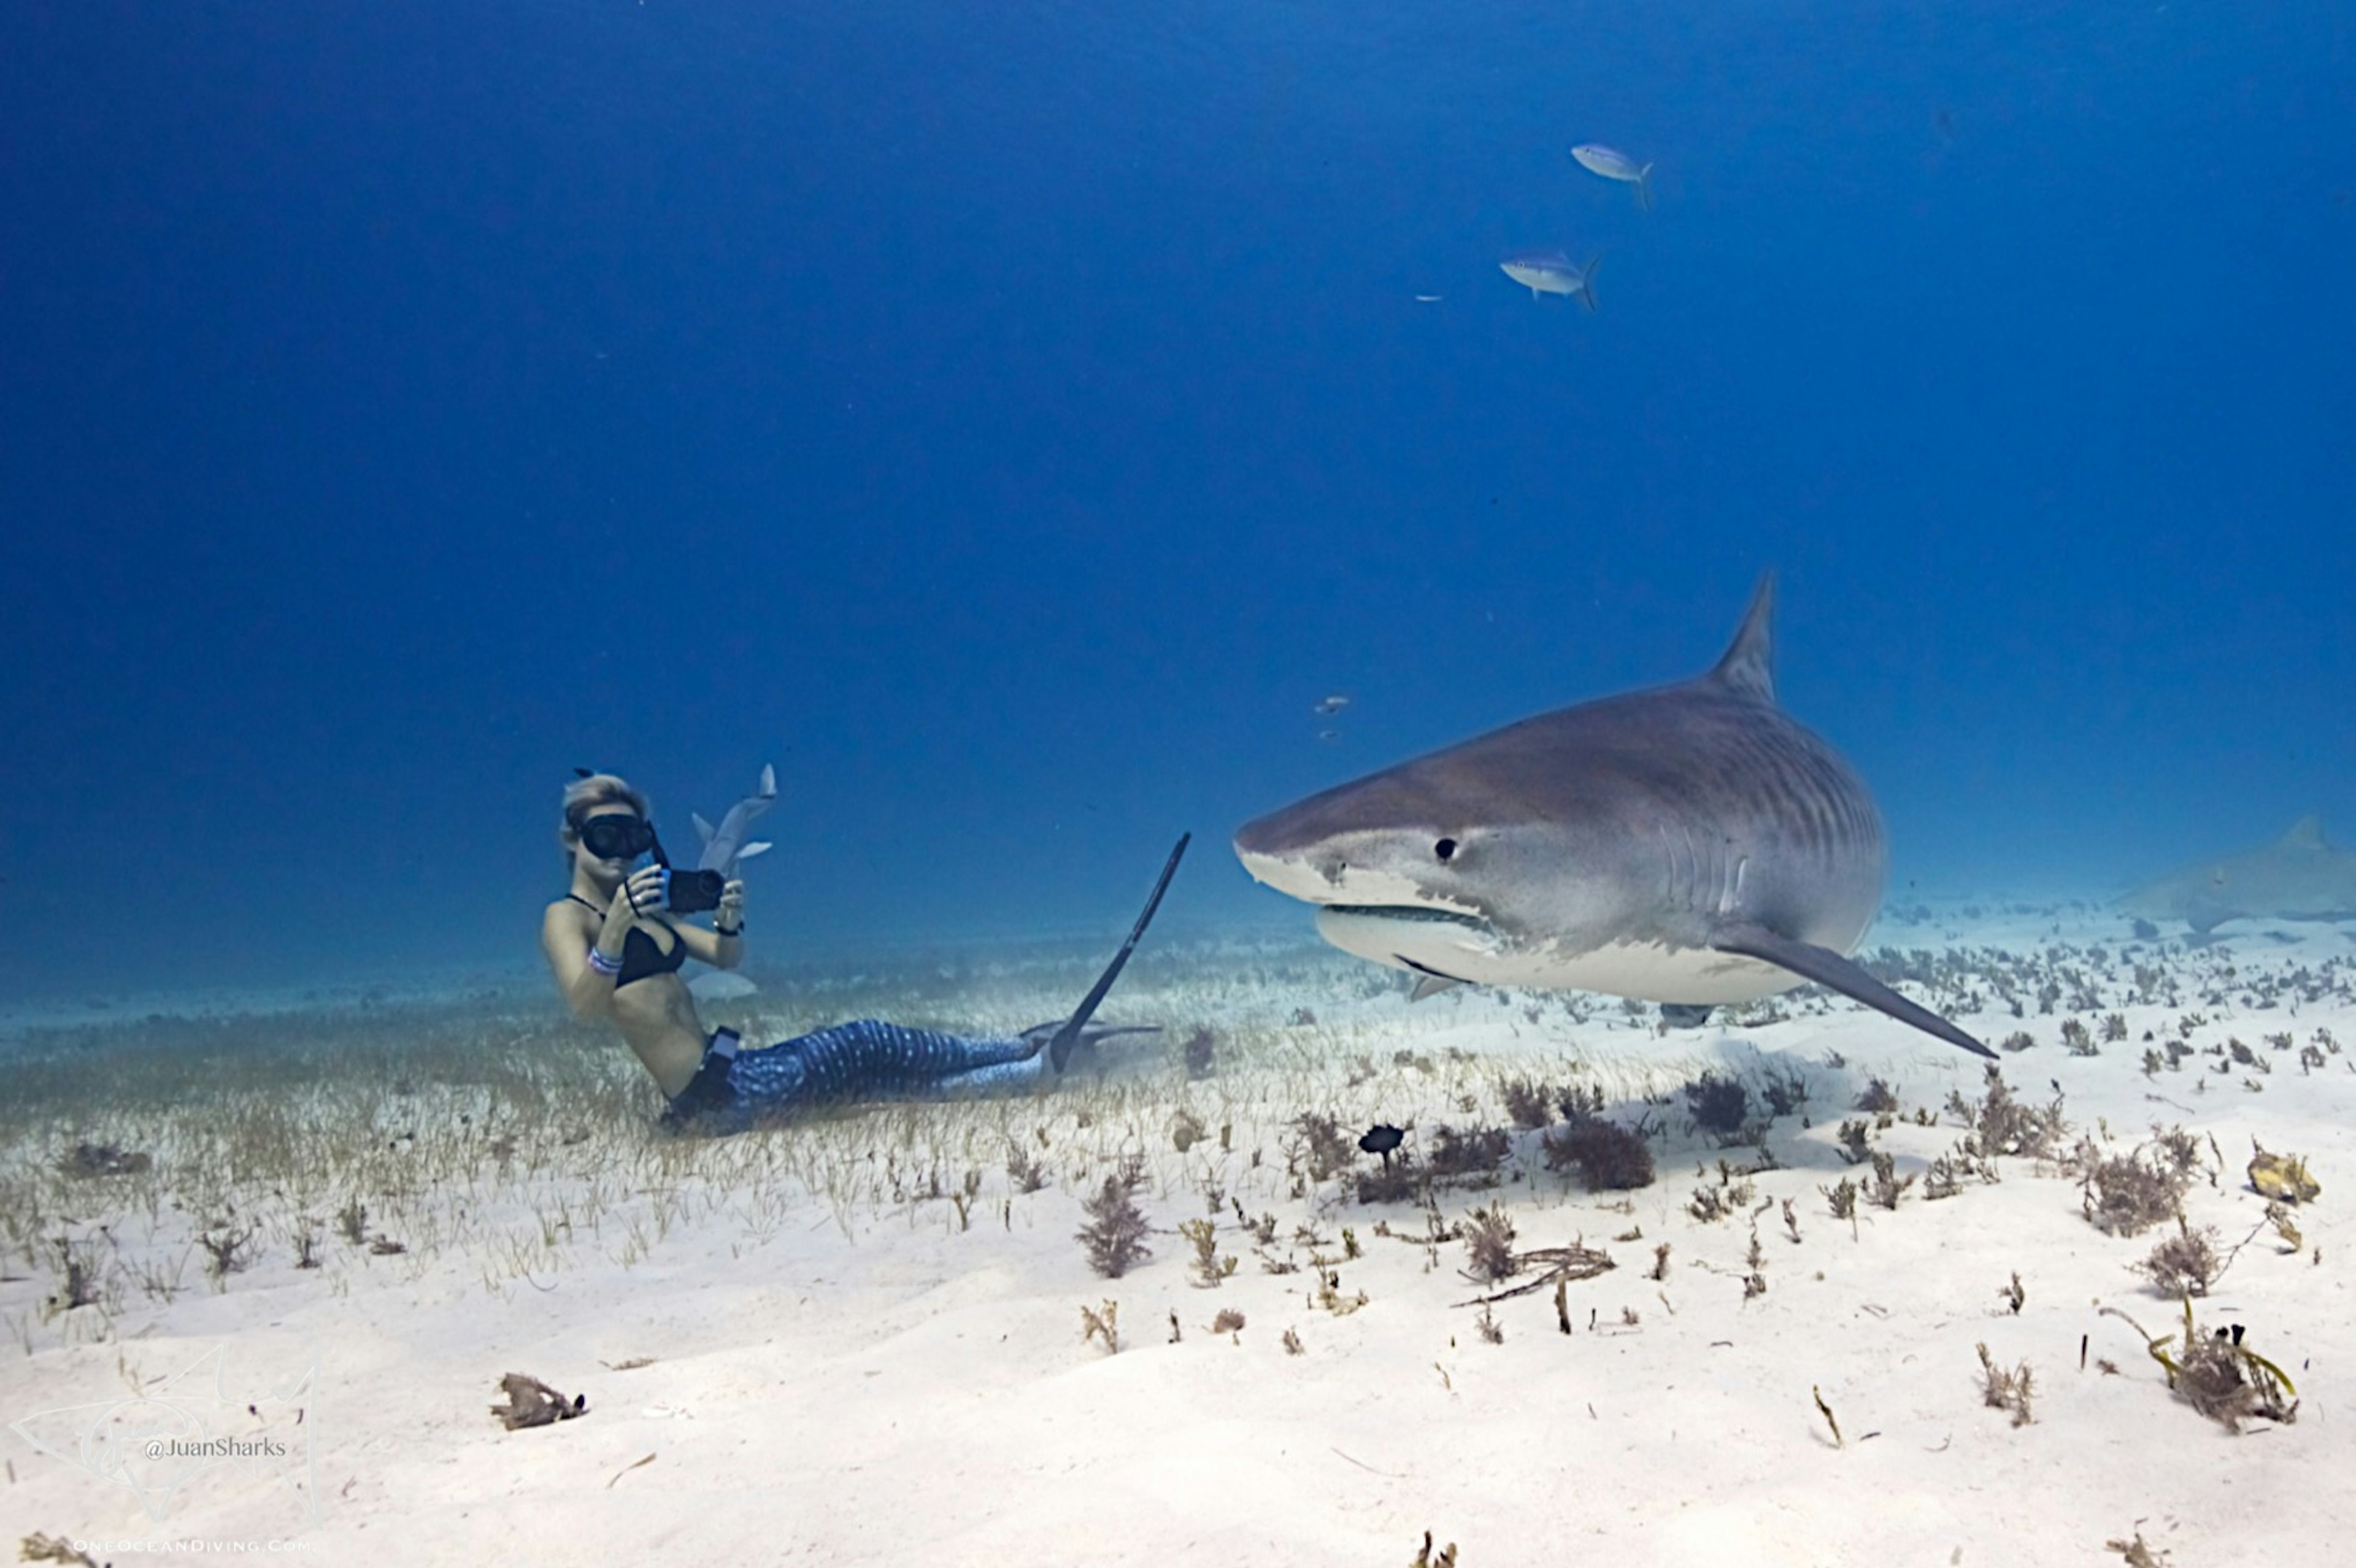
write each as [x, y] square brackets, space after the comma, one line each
[1409, 912]
[1444, 944]
[1404, 961]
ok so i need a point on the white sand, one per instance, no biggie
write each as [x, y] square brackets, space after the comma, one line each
[843, 1375]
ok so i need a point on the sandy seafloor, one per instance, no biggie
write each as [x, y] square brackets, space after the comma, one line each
[860, 1340]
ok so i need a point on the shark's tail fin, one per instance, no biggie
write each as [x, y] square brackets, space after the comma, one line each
[703, 829]
[1587, 283]
[1059, 1050]
[1644, 189]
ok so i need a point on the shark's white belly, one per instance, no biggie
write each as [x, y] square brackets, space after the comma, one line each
[1649, 971]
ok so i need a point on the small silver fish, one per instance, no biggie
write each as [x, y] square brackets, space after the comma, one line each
[1614, 164]
[1333, 704]
[1551, 273]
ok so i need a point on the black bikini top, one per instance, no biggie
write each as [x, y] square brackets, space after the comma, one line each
[642, 955]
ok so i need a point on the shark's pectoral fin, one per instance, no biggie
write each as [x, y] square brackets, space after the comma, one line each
[761, 848]
[1827, 967]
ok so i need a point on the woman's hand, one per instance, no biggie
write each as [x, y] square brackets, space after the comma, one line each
[728, 918]
[640, 897]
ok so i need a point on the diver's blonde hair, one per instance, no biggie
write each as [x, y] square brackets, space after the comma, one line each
[584, 795]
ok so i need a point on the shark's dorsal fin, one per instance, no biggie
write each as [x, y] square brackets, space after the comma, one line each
[2307, 833]
[1748, 664]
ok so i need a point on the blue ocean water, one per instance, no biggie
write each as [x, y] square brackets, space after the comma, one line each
[1010, 419]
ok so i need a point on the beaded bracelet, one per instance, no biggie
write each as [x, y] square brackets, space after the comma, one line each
[603, 965]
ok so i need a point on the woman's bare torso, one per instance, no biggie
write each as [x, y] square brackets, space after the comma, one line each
[655, 1013]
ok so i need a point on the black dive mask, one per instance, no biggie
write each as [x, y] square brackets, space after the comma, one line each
[618, 835]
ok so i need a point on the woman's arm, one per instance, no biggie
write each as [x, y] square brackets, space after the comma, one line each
[587, 985]
[722, 946]
[586, 991]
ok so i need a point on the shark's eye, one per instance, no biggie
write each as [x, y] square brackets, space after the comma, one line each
[1445, 849]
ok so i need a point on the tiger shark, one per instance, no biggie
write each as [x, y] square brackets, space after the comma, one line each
[730, 842]
[2299, 875]
[1690, 845]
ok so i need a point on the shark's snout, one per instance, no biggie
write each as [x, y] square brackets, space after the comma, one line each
[1266, 837]
[1303, 854]
[1283, 861]
[1365, 905]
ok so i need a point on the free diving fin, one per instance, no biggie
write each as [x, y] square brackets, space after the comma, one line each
[1059, 1048]
[1827, 967]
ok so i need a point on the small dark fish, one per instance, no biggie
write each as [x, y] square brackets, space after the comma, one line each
[1333, 704]
[1329, 736]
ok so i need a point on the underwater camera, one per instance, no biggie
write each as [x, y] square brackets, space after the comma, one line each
[691, 892]
[622, 834]
[685, 892]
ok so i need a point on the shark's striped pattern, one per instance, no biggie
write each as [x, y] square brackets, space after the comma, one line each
[1775, 811]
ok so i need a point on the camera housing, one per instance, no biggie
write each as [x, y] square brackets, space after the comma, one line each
[691, 892]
